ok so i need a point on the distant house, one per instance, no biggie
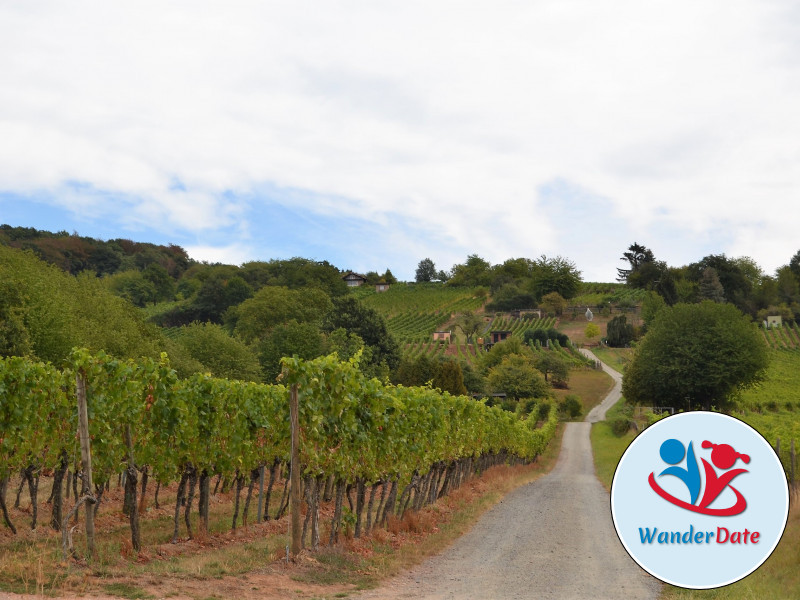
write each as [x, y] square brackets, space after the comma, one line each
[381, 287]
[495, 337]
[441, 336]
[354, 279]
[774, 321]
[499, 336]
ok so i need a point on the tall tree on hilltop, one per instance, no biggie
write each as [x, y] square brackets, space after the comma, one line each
[637, 255]
[426, 271]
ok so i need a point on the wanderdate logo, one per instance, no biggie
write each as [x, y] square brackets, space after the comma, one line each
[723, 457]
[699, 500]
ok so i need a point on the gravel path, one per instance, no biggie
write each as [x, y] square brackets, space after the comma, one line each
[552, 538]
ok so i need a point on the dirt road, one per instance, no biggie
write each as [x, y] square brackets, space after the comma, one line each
[550, 539]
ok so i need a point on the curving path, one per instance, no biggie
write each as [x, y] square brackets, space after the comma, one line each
[552, 538]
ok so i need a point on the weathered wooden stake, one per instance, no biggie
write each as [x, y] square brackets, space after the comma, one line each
[130, 491]
[260, 513]
[86, 459]
[297, 527]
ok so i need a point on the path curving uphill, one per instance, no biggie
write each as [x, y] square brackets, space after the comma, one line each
[552, 538]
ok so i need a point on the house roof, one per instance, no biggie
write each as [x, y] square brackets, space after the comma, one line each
[354, 275]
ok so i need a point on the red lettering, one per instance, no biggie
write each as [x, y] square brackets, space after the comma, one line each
[736, 537]
[720, 539]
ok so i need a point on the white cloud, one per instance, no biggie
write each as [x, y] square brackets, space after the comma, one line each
[682, 115]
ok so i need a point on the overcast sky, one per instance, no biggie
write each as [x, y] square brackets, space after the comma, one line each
[374, 134]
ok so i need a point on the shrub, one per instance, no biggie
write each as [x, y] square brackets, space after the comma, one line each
[543, 411]
[620, 426]
[570, 406]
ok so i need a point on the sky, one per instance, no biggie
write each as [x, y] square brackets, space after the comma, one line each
[375, 134]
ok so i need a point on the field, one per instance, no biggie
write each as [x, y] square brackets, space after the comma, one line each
[415, 311]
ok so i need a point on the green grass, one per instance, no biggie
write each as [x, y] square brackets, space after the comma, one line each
[126, 590]
[608, 449]
[616, 358]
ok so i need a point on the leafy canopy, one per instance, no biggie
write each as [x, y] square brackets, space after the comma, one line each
[696, 356]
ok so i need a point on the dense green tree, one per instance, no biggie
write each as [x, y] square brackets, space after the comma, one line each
[474, 381]
[652, 303]
[163, 284]
[219, 353]
[554, 367]
[292, 338]
[388, 277]
[500, 350]
[418, 371]
[619, 333]
[216, 295]
[517, 378]
[696, 356]
[272, 305]
[788, 287]
[794, 264]
[133, 286]
[474, 272]
[557, 274]
[14, 337]
[636, 256]
[426, 271]
[553, 303]
[710, 286]
[450, 378]
[354, 317]
[346, 345]
[655, 275]
[295, 273]
[470, 325]
[734, 281]
[511, 297]
[60, 311]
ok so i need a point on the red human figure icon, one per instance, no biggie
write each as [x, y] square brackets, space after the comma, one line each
[724, 457]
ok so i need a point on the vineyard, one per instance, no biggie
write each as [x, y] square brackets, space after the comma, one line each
[786, 337]
[397, 448]
[602, 294]
[415, 311]
[773, 408]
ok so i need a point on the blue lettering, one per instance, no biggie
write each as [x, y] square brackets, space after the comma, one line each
[647, 537]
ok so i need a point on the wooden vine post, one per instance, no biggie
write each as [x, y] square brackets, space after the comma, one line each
[295, 473]
[86, 458]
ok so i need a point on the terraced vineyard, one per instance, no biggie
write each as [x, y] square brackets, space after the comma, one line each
[414, 311]
[783, 338]
[520, 326]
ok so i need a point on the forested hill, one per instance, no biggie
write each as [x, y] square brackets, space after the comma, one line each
[74, 253]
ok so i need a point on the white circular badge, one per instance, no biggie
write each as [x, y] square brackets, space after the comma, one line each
[699, 500]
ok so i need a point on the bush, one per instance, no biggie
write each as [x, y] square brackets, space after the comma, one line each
[620, 426]
[526, 406]
[570, 406]
[543, 411]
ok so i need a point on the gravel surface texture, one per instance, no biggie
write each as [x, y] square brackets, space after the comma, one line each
[552, 538]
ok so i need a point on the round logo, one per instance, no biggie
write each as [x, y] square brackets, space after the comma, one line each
[699, 500]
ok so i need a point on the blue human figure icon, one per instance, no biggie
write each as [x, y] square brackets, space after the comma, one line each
[672, 453]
